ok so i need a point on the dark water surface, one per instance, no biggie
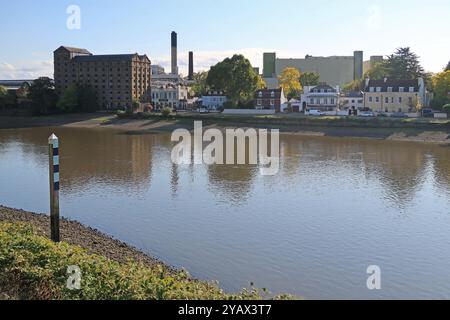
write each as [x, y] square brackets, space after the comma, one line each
[337, 206]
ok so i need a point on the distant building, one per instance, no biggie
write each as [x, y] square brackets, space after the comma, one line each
[118, 79]
[394, 95]
[270, 99]
[214, 100]
[157, 70]
[169, 95]
[351, 100]
[322, 97]
[334, 70]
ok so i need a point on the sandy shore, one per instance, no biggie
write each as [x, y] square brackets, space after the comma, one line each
[157, 125]
[75, 233]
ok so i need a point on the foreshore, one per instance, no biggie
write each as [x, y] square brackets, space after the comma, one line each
[74, 233]
[413, 130]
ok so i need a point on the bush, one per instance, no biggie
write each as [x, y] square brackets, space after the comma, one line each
[36, 268]
[166, 111]
[446, 108]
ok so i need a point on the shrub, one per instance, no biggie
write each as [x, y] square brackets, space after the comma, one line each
[446, 108]
[36, 268]
[166, 111]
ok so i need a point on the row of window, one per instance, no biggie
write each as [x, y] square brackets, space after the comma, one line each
[390, 89]
[390, 100]
[259, 102]
[322, 101]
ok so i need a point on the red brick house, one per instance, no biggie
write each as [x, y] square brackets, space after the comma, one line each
[269, 99]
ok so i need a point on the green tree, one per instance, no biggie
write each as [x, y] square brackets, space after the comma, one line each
[309, 79]
[447, 68]
[404, 64]
[200, 86]
[290, 82]
[3, 96]
[68, 101]
[441, 88]
[87, 98]
[379, 71]
[236, 77]
[3, 92]
[355, 85]
[43, 97]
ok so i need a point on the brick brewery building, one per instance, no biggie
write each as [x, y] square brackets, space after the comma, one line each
[118, 79]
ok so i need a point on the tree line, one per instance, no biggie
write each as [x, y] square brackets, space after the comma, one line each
[41, 98]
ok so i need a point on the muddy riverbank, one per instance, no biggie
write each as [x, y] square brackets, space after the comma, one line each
[416, 130]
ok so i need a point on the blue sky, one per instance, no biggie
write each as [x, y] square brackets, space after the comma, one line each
[30, 30]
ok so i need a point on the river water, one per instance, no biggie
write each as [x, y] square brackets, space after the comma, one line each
[336, 207]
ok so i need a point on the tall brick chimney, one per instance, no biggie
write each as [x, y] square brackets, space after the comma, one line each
[174, 46]
[191, 66]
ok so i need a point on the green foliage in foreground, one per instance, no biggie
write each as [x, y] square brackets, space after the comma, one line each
[35, 268]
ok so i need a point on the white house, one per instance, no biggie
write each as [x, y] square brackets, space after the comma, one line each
[214, 100]
[169, 95]
[322, 97]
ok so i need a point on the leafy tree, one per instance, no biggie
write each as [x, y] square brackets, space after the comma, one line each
[309, 79]
[87, 98]
[355, 85]
[3, 92]
[448, 67]
[261, 83]
[236, 77]
[43, 97]
[290, 82]
[379, 71]
[4, 97]
[200, 86]
[404, 64]
[446, 108]
[441, 87]
[68, 101]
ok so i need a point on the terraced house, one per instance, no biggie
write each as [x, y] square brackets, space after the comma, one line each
[118, 79]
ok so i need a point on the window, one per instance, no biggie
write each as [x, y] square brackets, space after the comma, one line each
[377, 99]
[411, 89]
[370, 99]
[311, 101]
[378, 89]
[386, 100]
[389, 89]
[332, 100]
[400, 100]
[260, 94]
[401, 89]
[259, 102]
[272, 102]
[272, 94]
[372, 89]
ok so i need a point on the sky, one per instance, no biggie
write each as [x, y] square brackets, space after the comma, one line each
[31, 30]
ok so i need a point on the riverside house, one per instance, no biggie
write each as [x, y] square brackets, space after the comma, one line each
[322, 97]
[270, 99]
[394, 95]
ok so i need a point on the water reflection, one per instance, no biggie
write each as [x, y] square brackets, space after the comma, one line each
[127, 160]
[336, 206]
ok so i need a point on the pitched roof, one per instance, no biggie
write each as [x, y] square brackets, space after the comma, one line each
[267, 93]
[72, 49]
[392, 83]
[352, 94]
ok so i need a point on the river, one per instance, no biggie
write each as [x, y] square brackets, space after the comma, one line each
[337, 206]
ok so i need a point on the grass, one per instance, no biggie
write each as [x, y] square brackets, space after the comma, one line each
[33, 267]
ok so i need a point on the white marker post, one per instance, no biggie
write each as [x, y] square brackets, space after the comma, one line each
[53, 153]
